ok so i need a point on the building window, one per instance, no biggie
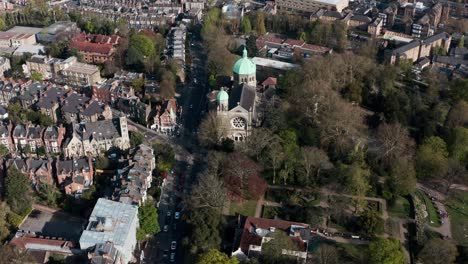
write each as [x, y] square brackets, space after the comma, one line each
[238, 122]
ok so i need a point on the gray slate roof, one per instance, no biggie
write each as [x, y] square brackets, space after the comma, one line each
[105, 129]
[69, 166]
[94, 108]
[243, 95]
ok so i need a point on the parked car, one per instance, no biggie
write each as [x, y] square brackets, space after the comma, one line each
[165, 228]
[169, 213]
[177, 215]
[172, 258]
[173, 245]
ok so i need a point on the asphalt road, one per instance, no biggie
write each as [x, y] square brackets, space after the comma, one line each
[178, 183]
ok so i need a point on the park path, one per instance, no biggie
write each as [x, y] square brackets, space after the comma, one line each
[445, 229]
[459, 187]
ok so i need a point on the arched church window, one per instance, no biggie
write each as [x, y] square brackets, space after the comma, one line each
[238, 122]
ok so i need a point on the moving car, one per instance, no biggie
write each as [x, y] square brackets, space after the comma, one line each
[177, 215]
[172, 258]
[169, 213]
[165, 228]
[173, 245]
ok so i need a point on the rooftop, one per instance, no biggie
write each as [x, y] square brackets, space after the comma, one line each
[84, 68]
[25, 30]
[109, 221]
[53, 224]
[274, 64]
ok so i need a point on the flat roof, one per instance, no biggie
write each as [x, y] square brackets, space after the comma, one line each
[109, 221]
[330, 2]
[25, 30]
[280, 65]
[80, 67]
[53, 224]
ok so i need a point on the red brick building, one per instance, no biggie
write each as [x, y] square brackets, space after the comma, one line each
[96, 49]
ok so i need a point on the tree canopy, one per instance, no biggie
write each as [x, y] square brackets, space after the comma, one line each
[148, 217]
[214, 256]
[17, 191]
[386, 251]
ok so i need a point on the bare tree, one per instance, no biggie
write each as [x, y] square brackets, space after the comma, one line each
[458, 115]
[314, 159]
[275, 156]
[257, 142]
[208, 193]
[212, 130]
[394, 142]
[327, 254]
[455, 172]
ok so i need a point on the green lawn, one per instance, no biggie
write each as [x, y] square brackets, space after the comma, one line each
[457, 206]
[401, 208]
[246, 208]
[434, 219]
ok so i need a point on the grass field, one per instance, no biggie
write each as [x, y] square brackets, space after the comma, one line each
[246, 208]
[457, 206]
[434, 219]
[401, 208]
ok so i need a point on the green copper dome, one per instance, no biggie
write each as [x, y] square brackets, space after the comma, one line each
[244, 65]
[222, 95]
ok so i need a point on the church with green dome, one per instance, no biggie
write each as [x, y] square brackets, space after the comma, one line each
[237, 106]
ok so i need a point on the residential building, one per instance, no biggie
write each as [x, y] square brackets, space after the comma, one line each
[253, 232]
[57, 32]
[4, 65]
[38, 171]
[29, 95]
[96, 111]
[96, 49]
[375, 28]
[94, 137]
[50, 245]
[74, 176]
[34, 137]
[48, 103]
[419, 48]
[9, 89]
[81, 74]
[166, 117]
[53, 137]
[13, 39]
[112, 221]
[359, 21]
[118, 87]
[72, 106]
[132, 182]
[3, 113]
[19, 136]
[136, 110]
[44, 65]
[310, 6]
[5, 138]
[105, 253]
[69, 71]
[29, 49]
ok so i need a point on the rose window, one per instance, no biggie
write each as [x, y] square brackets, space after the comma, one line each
[238, 122]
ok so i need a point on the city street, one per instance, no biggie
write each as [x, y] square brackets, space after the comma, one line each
[178, 182]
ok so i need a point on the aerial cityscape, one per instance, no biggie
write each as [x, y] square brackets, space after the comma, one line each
[234, 132]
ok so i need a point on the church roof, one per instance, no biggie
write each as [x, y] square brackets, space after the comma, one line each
[222, 95]
[244, 65]
[243, 95]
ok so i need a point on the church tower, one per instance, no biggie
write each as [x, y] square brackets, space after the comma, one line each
[245, 71]
[222, 99]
